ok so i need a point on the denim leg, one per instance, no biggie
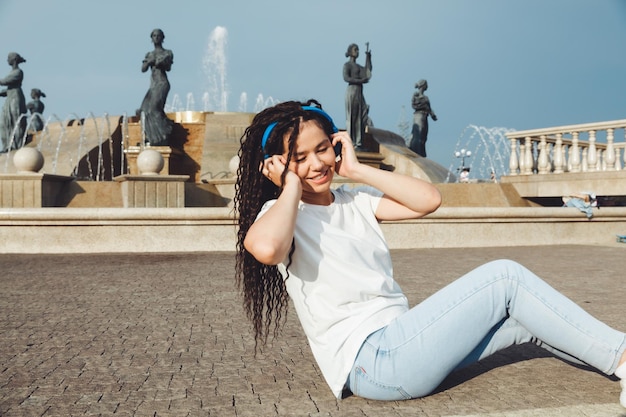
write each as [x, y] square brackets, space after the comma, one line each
[495, 306]
[501, 336]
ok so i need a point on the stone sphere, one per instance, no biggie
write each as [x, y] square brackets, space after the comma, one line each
[150, 162]
[28, 160]
[233, 164]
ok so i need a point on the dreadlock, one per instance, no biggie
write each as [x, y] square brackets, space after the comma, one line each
[265, 297]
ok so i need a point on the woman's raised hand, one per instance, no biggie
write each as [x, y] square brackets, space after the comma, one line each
[348, 161]
[273, 168]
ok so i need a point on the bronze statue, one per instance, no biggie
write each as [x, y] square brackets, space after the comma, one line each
[421, 105]
[13, 121]
[357, 110]
[157, 126]
[36, 108]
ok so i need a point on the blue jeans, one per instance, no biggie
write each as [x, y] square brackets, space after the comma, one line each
[495, 306]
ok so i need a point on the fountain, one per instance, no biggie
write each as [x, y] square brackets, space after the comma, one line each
[100, 149]
[490, 152]
[92, 194]
[216, 93]
[214, 67]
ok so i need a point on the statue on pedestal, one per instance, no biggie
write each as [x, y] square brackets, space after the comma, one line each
[36, 108]
[421, 105]
[156, 125]
[12, 123]
[357, 110]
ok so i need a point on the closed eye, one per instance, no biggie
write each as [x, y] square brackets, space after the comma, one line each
[322, 149]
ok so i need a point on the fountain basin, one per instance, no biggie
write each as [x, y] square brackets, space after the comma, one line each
[118, 230]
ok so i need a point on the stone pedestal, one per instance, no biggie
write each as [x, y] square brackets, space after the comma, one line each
[31, 190]
[372, 157]
[166, 152]
[155, 191]
[186, 144]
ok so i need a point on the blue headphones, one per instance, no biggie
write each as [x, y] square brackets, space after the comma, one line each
[271, 126]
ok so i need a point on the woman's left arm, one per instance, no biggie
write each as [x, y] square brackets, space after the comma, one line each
[404, 197]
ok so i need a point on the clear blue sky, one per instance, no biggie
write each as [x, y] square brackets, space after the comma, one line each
[518, 64]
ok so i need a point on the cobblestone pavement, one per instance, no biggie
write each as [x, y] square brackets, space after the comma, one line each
[165, 335]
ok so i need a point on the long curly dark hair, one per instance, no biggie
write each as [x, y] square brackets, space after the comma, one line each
[262, 286]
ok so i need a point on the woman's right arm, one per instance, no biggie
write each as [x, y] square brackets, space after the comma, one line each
[269, 238]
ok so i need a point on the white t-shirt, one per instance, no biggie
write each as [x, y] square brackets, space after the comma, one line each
[341, 278]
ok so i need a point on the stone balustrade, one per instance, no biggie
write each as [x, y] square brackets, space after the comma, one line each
[586, 147]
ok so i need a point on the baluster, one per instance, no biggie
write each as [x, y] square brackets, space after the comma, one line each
[522, 158]
[601, 160]
[575, 154]
[528, 159]
[570, 152]
[550, 152]
[618, 162]
[585, 161]
[513, 162]
[557, 151]
[609, 154]
[624, 156]
[542, 161]
[592, 153]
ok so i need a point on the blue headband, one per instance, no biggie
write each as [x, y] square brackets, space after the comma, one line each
[271, 126]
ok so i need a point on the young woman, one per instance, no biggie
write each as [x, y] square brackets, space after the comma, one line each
[323, 248]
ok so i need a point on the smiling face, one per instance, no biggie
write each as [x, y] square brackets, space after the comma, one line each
[314, 162]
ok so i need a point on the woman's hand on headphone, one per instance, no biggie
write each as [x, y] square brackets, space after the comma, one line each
[273, 168]
[348, 160]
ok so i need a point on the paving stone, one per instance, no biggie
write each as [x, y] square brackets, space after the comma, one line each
[165, 335]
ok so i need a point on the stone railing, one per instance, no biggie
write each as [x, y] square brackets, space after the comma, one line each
[564, 149]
